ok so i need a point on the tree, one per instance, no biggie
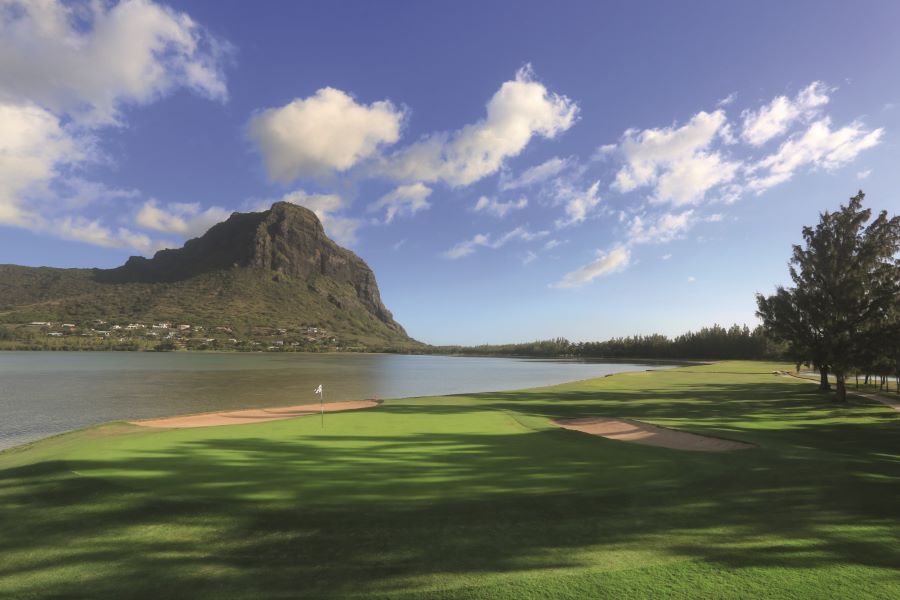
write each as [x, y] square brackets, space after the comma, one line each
[786, 321]
[845, 283]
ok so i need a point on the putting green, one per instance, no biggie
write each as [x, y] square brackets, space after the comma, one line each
[473, 496]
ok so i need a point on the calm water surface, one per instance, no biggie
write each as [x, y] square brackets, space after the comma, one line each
[45, 393]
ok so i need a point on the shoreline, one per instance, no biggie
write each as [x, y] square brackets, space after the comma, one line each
[675, 365]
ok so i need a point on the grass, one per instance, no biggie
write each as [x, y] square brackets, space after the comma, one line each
[473, 496]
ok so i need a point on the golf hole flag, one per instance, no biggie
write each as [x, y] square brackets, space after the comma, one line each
[321, 394]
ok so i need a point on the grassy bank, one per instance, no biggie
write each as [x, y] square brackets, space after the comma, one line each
[473, 496]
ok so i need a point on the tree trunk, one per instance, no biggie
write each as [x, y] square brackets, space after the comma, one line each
[841, 388]
[824, 386]
[866, 382]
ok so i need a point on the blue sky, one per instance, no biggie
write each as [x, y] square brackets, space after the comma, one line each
[510, 171]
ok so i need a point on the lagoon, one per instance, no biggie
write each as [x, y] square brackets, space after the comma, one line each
[46, 393]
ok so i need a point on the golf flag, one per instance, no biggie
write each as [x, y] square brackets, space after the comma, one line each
[321, 403]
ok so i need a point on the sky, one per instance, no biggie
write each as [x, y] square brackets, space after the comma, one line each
[511, 171]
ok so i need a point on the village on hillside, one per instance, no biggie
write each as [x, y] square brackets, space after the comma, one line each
[162, 336]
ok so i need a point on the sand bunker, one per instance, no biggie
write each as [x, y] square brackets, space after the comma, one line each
[651, 435]
[253, 415]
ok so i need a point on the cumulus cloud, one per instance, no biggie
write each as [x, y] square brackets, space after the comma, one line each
[94, 232]
[327, 207]
[328, 131]
[534, 175]
[34, 145]
[520, 110]
[678, 162]
[87, 59]
[819, 146]
[662, 229]
[497, 208]
[863, 174]
[485, 240]
[608, 262]
[406, 199]
[578, 203]
[186, 220]
[66, 72]
[777, 116]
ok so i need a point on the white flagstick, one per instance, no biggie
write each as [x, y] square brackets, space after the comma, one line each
[321, 394]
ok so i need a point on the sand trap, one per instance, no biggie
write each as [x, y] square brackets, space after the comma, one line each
[651, 435]
[253, 415]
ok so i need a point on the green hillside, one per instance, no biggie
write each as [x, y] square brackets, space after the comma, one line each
[255, 276]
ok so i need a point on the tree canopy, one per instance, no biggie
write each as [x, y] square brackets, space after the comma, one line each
[841, 314]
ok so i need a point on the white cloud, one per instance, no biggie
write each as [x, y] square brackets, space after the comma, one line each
[406, 199]
[607, 263]
[578, 203]
[663, 229]
[520, 110]
[328, 131]
[340, 228]
[484, 240]
[714, 218]
[687, 180]
[78, 193]
[34, 145]
[666, 256]
[534, 175]
[87, 59]
[498, 208]
[94, 232]
[529, 258]
[729, 99]
[68, 70]
[677, 161]
[551, 244]
[777, 116]
[820, 146]
[186, 220]
[691, 279]
[863, 174]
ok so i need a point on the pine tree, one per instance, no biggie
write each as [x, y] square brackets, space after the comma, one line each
[845, 283]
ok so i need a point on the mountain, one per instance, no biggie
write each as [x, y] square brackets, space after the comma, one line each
[271, 270]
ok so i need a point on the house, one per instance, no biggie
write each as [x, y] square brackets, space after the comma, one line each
[41, 323]
[183, 327]
[55, 334]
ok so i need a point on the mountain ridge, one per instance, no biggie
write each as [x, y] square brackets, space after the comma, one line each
[275, 268]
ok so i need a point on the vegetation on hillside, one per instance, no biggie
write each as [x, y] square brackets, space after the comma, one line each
[842, 315]
[242, 300]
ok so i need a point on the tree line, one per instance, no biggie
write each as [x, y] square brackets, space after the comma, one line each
[842, 313]
[715, 342]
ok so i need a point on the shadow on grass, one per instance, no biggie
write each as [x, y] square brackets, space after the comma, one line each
[337, 514]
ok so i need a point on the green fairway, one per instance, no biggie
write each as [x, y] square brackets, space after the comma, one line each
[473, 496]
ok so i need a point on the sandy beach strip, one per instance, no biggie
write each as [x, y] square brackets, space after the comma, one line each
[253, 415]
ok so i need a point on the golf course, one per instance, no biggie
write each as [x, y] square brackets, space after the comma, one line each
[474, 496]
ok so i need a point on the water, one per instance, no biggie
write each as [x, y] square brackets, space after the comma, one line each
[45, 393]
